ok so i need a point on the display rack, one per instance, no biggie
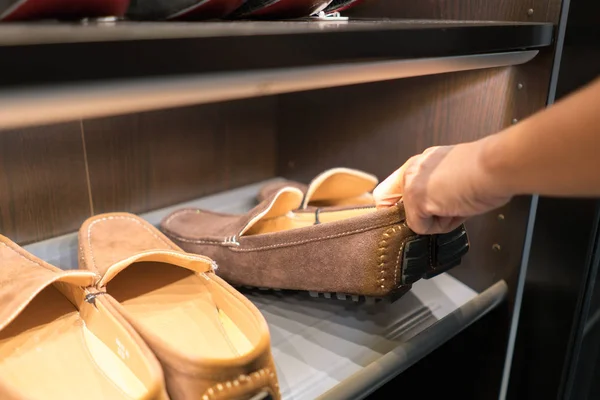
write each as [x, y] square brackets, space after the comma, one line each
[327, 347]
[56, 72]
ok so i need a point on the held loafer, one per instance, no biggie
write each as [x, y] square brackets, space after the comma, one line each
[55, 345]
[332, 187]
[211, 341]
[356, 251]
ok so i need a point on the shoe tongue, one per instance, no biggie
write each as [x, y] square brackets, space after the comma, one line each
[24, 276]
[193, 262]
[339, 183]
[276, 205]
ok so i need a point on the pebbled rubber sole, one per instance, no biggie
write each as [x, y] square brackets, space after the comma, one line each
[425, 257]
[369, 300]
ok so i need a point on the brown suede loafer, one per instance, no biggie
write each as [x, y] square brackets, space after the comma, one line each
[211, 341]
[348, 251]
[331, 188]
[55, 345]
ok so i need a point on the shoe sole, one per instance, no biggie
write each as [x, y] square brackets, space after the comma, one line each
[425, 257]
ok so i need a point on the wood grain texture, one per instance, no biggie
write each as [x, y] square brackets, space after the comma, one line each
[377, 127]
[43, 187]
[482, 10]
[145, 161]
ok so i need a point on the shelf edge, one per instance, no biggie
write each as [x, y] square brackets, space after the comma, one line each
[375, 375]
[45, 105]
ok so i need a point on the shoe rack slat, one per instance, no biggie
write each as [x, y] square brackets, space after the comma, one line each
[329, 348]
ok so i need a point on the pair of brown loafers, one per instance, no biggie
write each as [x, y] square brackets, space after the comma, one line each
[327, 238]
[141, 319]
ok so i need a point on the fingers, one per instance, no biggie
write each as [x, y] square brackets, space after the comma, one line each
[389, 192]
[418, 224]
[433, 225]
[409, 184]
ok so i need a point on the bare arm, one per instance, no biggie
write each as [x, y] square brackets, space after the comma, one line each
[555, 152]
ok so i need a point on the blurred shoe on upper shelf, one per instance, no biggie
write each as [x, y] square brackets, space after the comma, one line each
[23, 10]
[341, 5]
[332, 187]
[55, 344]
[279, 9]
[211, 341]
[355, 251]
[181, 9]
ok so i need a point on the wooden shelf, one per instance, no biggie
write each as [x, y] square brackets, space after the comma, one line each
[60, 72]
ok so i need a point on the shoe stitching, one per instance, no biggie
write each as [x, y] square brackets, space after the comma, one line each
[89, 234]
[218, 390]
[177, 213]
[199, 241]
[283, 244]
[286, 244]
[397, 268]
[381, 254]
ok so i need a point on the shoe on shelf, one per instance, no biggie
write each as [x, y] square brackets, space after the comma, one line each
[181, 9]
[23, 10]
[279, 9]
[55, 344]
[212, 342]
[346, 251]
[331, 188]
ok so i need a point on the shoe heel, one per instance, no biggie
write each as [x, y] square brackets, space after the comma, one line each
[416, 259]
[448, 250]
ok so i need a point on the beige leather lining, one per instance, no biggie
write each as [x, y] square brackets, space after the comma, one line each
[190, 261]
[186, 309]
[52, 351]
[304, 219]
[285, 200]
[337, 186]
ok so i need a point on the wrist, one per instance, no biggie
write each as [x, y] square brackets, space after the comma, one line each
[494, 163]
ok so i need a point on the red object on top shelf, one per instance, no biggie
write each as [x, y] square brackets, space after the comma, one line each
[23, 10]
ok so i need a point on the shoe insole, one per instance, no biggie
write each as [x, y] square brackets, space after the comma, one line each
[178, 306]
[364, 200]
[48, 353]
[295, 220]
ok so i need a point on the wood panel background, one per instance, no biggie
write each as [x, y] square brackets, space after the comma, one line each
[49, 185]
[482, 10]
[151, 160]
[43, 186]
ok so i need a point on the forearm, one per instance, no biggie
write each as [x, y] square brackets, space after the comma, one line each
[555, 152]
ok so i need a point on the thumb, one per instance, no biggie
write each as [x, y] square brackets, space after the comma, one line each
[389, 192]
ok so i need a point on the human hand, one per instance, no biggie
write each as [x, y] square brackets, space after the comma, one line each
[442, 187]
